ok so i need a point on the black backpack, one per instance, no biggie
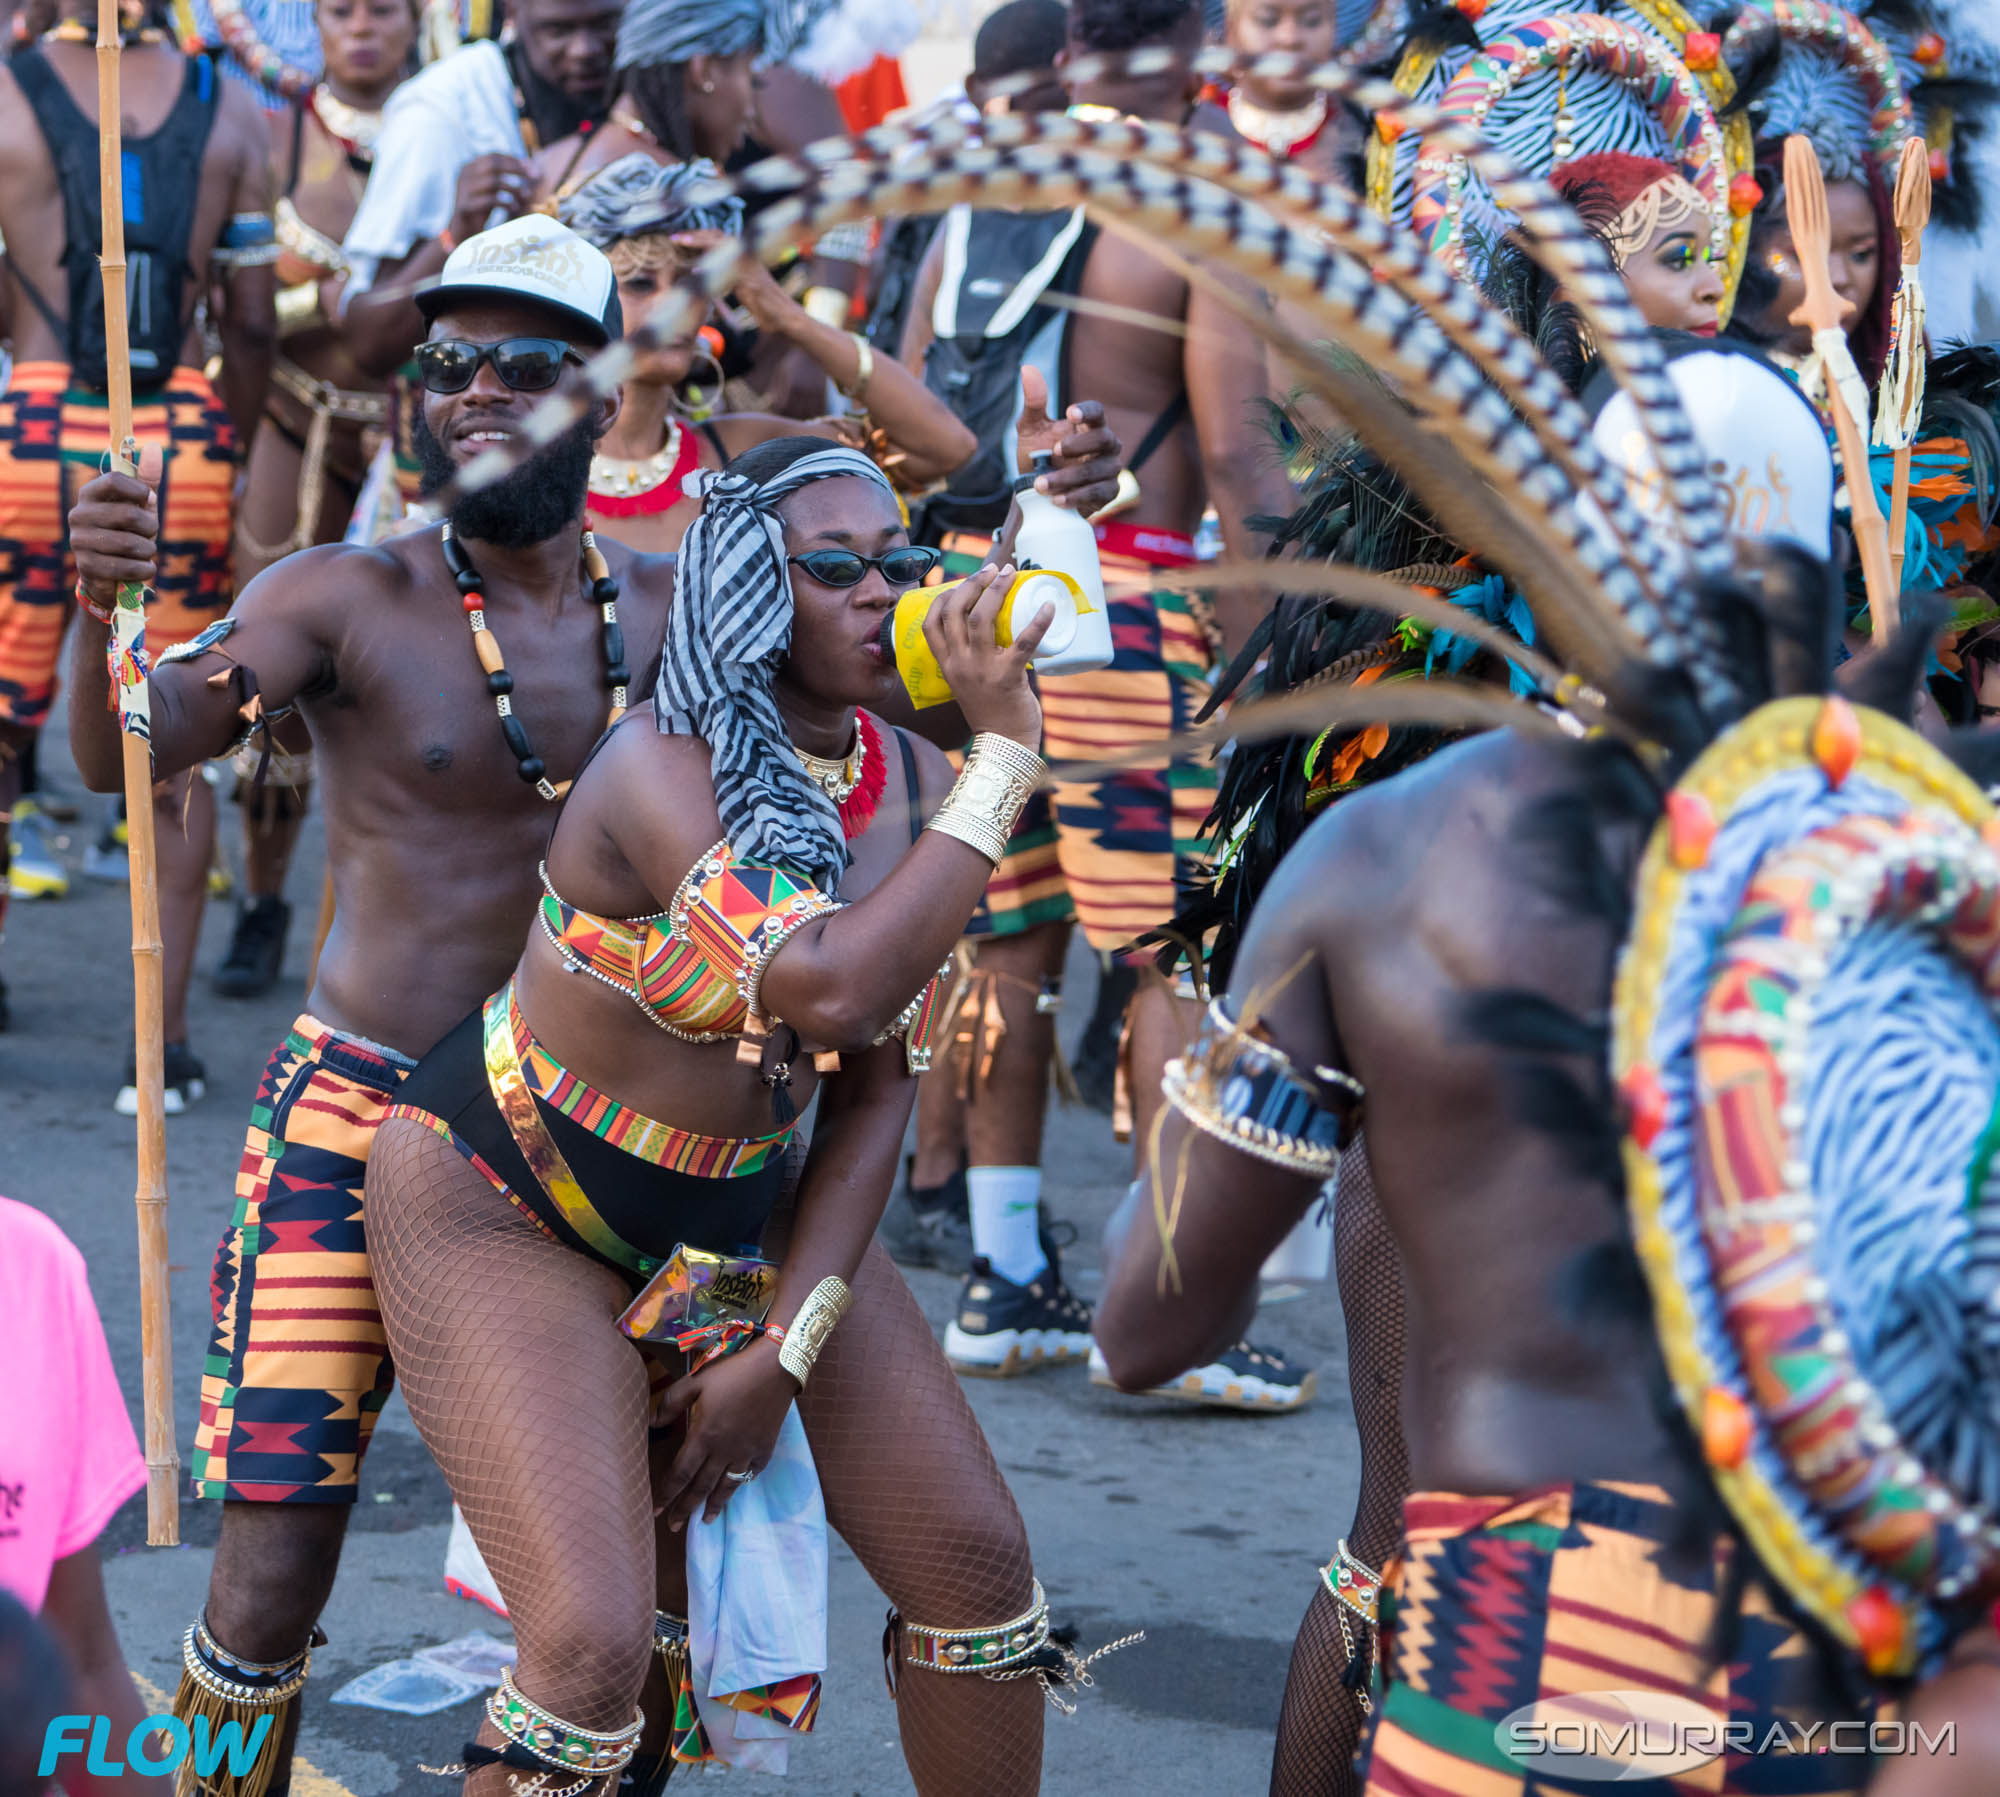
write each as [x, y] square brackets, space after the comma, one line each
[162, 180]
[991, 307]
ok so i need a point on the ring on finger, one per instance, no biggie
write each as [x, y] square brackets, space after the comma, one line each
[742, 1478]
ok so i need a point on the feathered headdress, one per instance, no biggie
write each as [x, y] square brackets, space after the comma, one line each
[1548, 87]
[1825, 1284]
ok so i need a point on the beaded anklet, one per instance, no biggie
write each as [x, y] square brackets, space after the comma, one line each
[1022, 1648]
[563, 1745]
[223, 1675]
[1356, 1587]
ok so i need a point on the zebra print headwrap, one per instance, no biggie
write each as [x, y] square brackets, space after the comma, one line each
[727, 632]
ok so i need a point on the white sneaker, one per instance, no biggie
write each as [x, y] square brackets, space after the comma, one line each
[465, 1573]
[1243, 1378]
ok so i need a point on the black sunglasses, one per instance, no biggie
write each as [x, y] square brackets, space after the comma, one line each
[905, 567]
[526, 364]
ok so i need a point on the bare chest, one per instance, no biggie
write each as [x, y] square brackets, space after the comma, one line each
[413, 716]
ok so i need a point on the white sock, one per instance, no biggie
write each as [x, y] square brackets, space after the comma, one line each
[1005, 1214]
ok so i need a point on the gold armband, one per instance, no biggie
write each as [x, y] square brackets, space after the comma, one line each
[806, 1333]
[998, 779]
[298, 308]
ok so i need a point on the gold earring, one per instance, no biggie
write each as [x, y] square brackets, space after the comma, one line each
[694, 404]
[708, 87]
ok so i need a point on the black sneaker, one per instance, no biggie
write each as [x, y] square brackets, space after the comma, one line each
[1095, 1063]
[929, 1226]
[256, 951]
[187, 1081]
[1003, 1329]
[1239, 1378]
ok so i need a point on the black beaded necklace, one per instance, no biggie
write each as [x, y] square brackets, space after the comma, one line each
[500, 683]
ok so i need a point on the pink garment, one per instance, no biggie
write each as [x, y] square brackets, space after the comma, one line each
[68, 1456]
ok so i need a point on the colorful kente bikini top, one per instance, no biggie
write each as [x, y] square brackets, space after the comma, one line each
[700, 977]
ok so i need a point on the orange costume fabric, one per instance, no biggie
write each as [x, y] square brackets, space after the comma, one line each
[1578, 1591]
[1113, 853]
[53, 438]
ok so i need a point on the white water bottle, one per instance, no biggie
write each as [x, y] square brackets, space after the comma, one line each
[1053, 536]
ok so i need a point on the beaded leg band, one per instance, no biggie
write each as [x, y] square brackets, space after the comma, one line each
[1357, 1592]
[225, 1689]
[1023, 1648]
[550, 1742]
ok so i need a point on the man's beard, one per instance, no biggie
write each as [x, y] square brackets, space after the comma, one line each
[535, 501]
[556, 113]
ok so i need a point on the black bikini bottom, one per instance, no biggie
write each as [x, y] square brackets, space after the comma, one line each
[554, 1144]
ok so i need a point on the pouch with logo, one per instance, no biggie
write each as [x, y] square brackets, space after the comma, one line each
[704, 1304]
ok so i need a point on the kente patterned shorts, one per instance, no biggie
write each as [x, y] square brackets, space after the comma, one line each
[52, 439]
[1111, 854]
[1499, 1602]
[298, 1365]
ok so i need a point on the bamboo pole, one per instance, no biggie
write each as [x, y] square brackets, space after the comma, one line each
[148, 981]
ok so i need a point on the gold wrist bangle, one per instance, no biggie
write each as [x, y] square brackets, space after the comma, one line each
[855, 392]
[806, 1333]
[998, 779]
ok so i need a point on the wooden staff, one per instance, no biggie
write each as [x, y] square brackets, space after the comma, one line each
[1913, 213]
[163, 1523]
[1823, 310]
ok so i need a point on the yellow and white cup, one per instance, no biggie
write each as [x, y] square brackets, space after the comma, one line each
[1028, 592]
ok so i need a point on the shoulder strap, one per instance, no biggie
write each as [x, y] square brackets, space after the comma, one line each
[912, 797]
[298, 146]
[1160, 429]
[55, 111]
[715, 442]
[72, 146]
[35, 299]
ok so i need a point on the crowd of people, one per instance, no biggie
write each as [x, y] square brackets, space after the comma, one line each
[1529, 819]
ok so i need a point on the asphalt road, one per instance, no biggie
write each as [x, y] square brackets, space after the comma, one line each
[1202, 1528]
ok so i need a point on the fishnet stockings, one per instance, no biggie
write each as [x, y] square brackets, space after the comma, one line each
[1322, 1721]
[1370, 1269]
[915, 1491]
[535, 1407]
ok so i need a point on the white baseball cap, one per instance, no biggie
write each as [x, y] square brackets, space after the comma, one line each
[1759, 435]
[538, 259]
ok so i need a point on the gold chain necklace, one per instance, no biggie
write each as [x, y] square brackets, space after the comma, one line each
[612, 477]
[837, 779]
[625, 115]
[348, 123]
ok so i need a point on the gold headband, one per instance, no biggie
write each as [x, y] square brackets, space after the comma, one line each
[647, 253]
[1670, 201]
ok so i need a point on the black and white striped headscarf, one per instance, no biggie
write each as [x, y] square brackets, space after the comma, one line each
[727, 632]
[638, 197]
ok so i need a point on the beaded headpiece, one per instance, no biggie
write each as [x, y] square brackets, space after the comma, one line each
[1648, 195]
[1835, 83]
[1554, 87]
